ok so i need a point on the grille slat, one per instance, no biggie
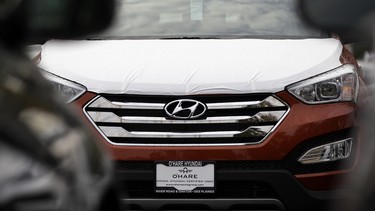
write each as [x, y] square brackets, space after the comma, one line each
[268, 102]
[259, 131]
[122, 117]
[260, 117]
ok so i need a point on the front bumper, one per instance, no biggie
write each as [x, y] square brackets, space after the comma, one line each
[271, 179]
[266, 190]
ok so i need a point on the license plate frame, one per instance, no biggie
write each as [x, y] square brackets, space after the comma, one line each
[178, 177]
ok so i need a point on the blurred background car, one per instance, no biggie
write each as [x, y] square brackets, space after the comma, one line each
[49, 160]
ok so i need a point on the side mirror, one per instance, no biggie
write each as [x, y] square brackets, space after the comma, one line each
[349, 19]
[64, 19]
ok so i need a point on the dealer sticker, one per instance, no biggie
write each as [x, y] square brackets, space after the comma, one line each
[185, 177]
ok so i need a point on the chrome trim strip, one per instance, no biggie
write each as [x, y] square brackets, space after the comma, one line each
[268, 102]
[260, 117]
[310, 157]
[187, 145]
[254, 131]
[101, 102]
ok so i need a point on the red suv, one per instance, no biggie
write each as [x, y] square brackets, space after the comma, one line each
[216, 105]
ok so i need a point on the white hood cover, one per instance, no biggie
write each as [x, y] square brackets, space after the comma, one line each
[189, 67]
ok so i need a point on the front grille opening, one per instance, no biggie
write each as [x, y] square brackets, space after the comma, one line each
[203, 207]
[185, 207]
[246, 189]
[251, 207]
[229, 119]
[132, 207]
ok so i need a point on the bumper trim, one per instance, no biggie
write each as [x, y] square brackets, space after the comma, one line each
[290, 192]
[211, 204]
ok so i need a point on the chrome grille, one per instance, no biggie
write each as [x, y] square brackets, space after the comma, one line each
[229, 120]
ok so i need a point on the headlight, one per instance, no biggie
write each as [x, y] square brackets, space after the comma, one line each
[69, 90]
[340, 84]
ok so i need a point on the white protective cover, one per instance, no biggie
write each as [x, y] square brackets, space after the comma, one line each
[190, 67]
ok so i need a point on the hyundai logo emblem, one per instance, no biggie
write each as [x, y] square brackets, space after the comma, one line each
[185, 109]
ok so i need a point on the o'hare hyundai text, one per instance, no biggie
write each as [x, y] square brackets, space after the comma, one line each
[216, 105]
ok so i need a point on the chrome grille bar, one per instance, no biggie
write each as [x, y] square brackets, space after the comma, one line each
[268, 102]
[101, 102]
[121, 132]
[260, 117]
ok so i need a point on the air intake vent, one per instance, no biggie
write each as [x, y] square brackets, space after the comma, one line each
[154, 120]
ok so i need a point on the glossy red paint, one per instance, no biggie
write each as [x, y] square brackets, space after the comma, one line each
[347, 57]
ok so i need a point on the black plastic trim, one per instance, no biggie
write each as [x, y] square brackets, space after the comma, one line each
[289, 191]
[205, 204]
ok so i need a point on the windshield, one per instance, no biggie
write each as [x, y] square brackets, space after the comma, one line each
[208, 19]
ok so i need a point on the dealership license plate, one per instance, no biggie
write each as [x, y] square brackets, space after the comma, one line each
[185, 177]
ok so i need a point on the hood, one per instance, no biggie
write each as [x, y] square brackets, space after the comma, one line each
[189, 67]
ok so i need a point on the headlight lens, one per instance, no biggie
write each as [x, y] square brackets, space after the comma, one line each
[340, 84]
[69, 90]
